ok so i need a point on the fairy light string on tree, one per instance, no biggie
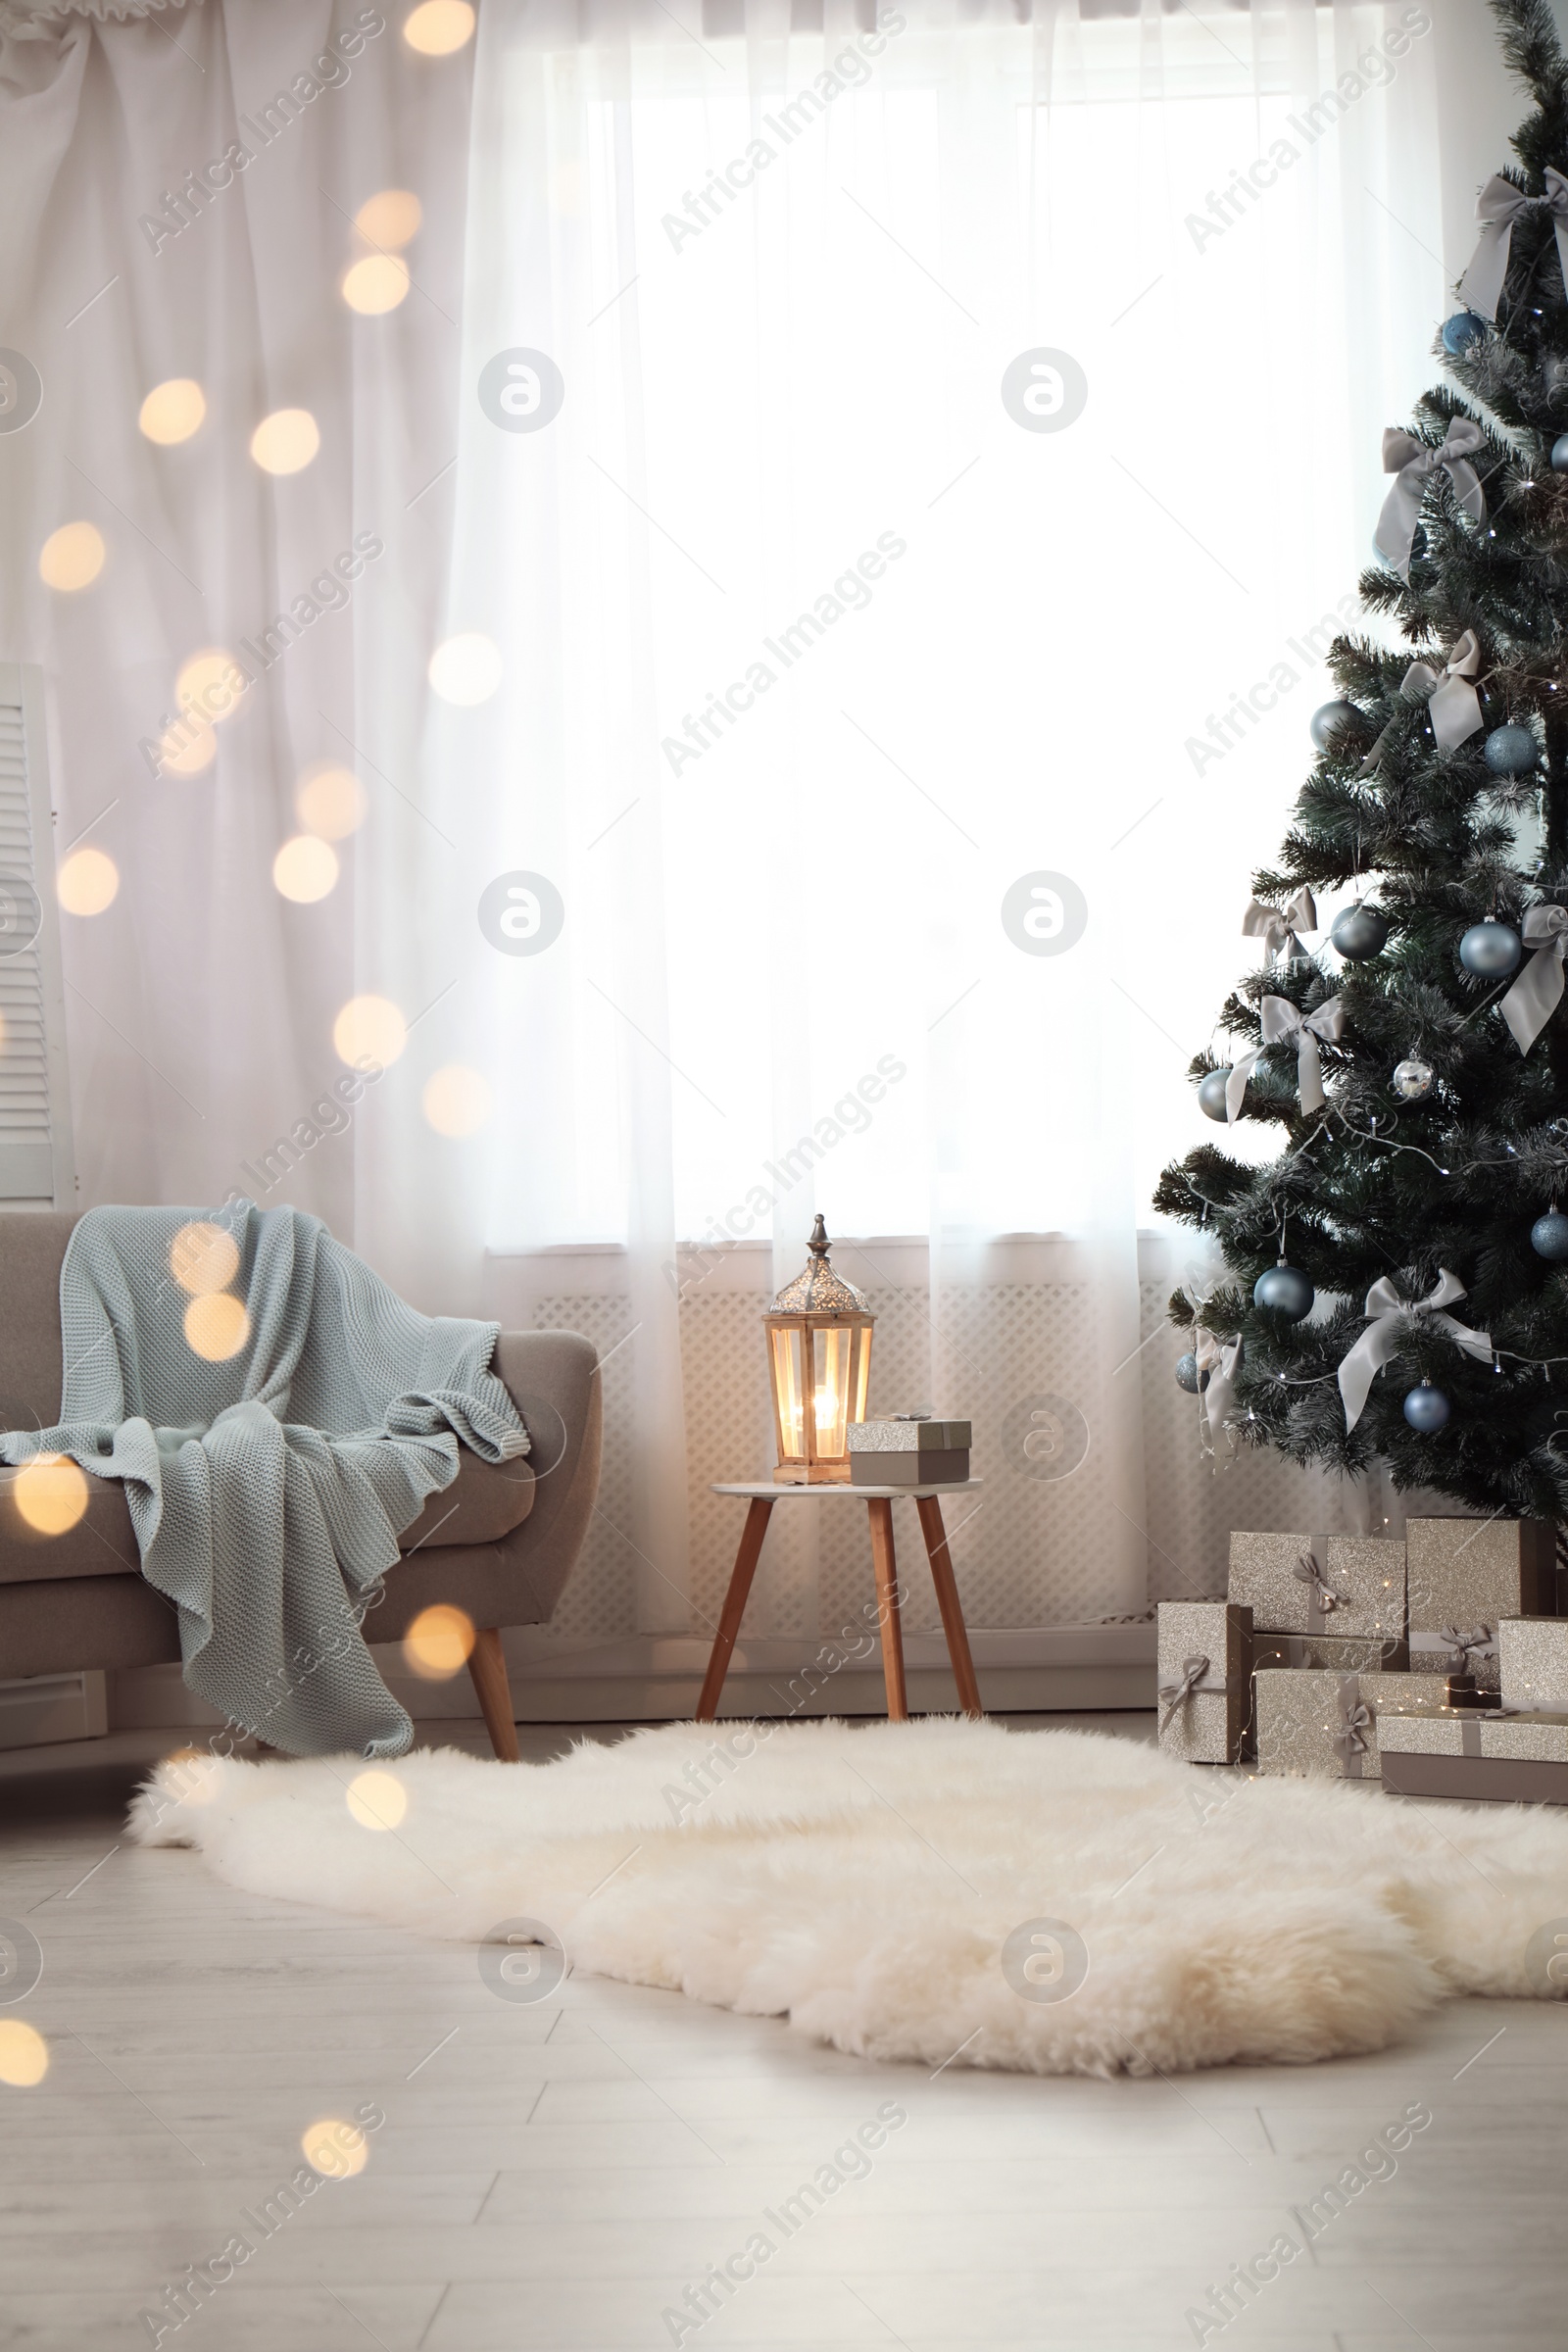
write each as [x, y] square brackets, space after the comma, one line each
[1416, 1064]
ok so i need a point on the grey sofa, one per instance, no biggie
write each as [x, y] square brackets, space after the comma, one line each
[499, 1543]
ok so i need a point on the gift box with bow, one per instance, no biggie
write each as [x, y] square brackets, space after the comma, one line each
[1463, 1577]
[1346, 1585]
[1205, 1680]
[1320, 1725]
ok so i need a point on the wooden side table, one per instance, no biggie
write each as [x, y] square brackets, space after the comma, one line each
[762, 1495]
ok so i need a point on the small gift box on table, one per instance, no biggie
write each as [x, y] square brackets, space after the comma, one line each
[1446, 1751]
[1532, 1663]
[1351, 1587]
[1316, 1724]
[1464, 1575]
[1205, 1671]
[908, 1453]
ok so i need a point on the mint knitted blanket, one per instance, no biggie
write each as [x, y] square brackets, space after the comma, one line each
[267, 1485]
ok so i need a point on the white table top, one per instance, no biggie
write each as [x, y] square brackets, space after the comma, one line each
[764, 1490]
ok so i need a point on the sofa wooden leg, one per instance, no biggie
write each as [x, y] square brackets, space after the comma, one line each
[488, 1666]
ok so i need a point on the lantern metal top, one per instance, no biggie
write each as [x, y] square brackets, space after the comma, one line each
[817, 1290]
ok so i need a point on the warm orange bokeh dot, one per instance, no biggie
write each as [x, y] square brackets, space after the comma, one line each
[305, 869]
[439, 1642]
[390, 218]
[285, 441]
[458, 1101]
[51, 1494]
[376, 284]
[438, 27]
[23, 2054]
[217, 1326]
[87, 882]
[72, 556]
[203, 1257]
[377, 1800]
[335, 2148]
[173, 411]
[330, 801]
[370, 1029]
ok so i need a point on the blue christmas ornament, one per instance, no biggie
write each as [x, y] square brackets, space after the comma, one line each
[1330, 719]
[1460, 331]
[1511, 750]
[1549, 1236]
[1189, 1377]
[1559, 453]
[1285, 1291]
[1212, 1094]
[1491, 949]
[1426, 1408]
[1359, 932]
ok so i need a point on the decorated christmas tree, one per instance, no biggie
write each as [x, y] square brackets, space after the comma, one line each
[1395, 1282]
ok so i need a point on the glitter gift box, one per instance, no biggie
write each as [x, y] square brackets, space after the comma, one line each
[1206, 1670]
[1446, 1752]
[1532, 1663]
[908, 1453]
[1346, 1585]
[1464, 1575]
[1345, 1653]
[1316, 1724]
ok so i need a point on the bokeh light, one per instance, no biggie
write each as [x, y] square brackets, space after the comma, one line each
[173, 411]
[87, 882]
[370, 1029]
[210, 685]
[376, 284]
[465, 670]
[305, 868]
[51, 1494]
[377, 1800]
[285, 441]
[187, 749]
[191, 1774]
[439, 1642]
[217, 1326]
[391, 217]
[203, 1257]
[23, 2054]
[458, 1101]
[72, 556]
[335, 2148]
[330, 801]
[438, 27]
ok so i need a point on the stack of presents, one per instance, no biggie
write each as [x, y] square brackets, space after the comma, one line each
[1435, 1662]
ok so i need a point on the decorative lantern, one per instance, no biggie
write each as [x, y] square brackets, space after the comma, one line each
[819, 1362]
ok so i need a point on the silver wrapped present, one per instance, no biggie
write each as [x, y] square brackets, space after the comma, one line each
[1205, 1680]
[1346, 1585]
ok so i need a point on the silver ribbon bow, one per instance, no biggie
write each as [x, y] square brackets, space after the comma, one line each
[1173, 1696]
[1412, 465]
[1221, 1360]
[1322, 1596]
[1538, 991]
[1497, 207]
[1279, 925]
[1454, 707]
[1352, 1741]
[1478, 1643]
[1282, 1021]
[1381, 1339]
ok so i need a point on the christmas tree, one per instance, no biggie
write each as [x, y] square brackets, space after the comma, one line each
[1420, 1072]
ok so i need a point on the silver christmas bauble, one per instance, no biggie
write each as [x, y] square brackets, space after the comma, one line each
[1189, 1377]
[1511, 750]
[1359, 932]
[1549, 1236]
[1211, 1095]
[1426, 1408]
[1559, 453]
[1285, 1291]
[1328, 721]
[1491, 949]
[1412, 1078]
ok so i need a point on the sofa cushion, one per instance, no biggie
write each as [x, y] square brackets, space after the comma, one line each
[484, 1503]
[33, 1251]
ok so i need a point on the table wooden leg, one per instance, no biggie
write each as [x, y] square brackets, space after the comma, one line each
[886, 1564]
[929, 1508]
[729, 1623]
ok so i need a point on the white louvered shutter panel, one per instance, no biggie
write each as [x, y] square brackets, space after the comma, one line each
[36, 1164]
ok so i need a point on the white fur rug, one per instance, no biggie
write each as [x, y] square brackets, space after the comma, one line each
[865, 1882]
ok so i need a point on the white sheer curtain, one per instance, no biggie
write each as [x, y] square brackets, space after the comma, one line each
[783, 275]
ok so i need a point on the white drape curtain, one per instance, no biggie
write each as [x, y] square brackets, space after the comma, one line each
[783, 275]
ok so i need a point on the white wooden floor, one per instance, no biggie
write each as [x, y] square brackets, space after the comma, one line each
[552, 2178]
